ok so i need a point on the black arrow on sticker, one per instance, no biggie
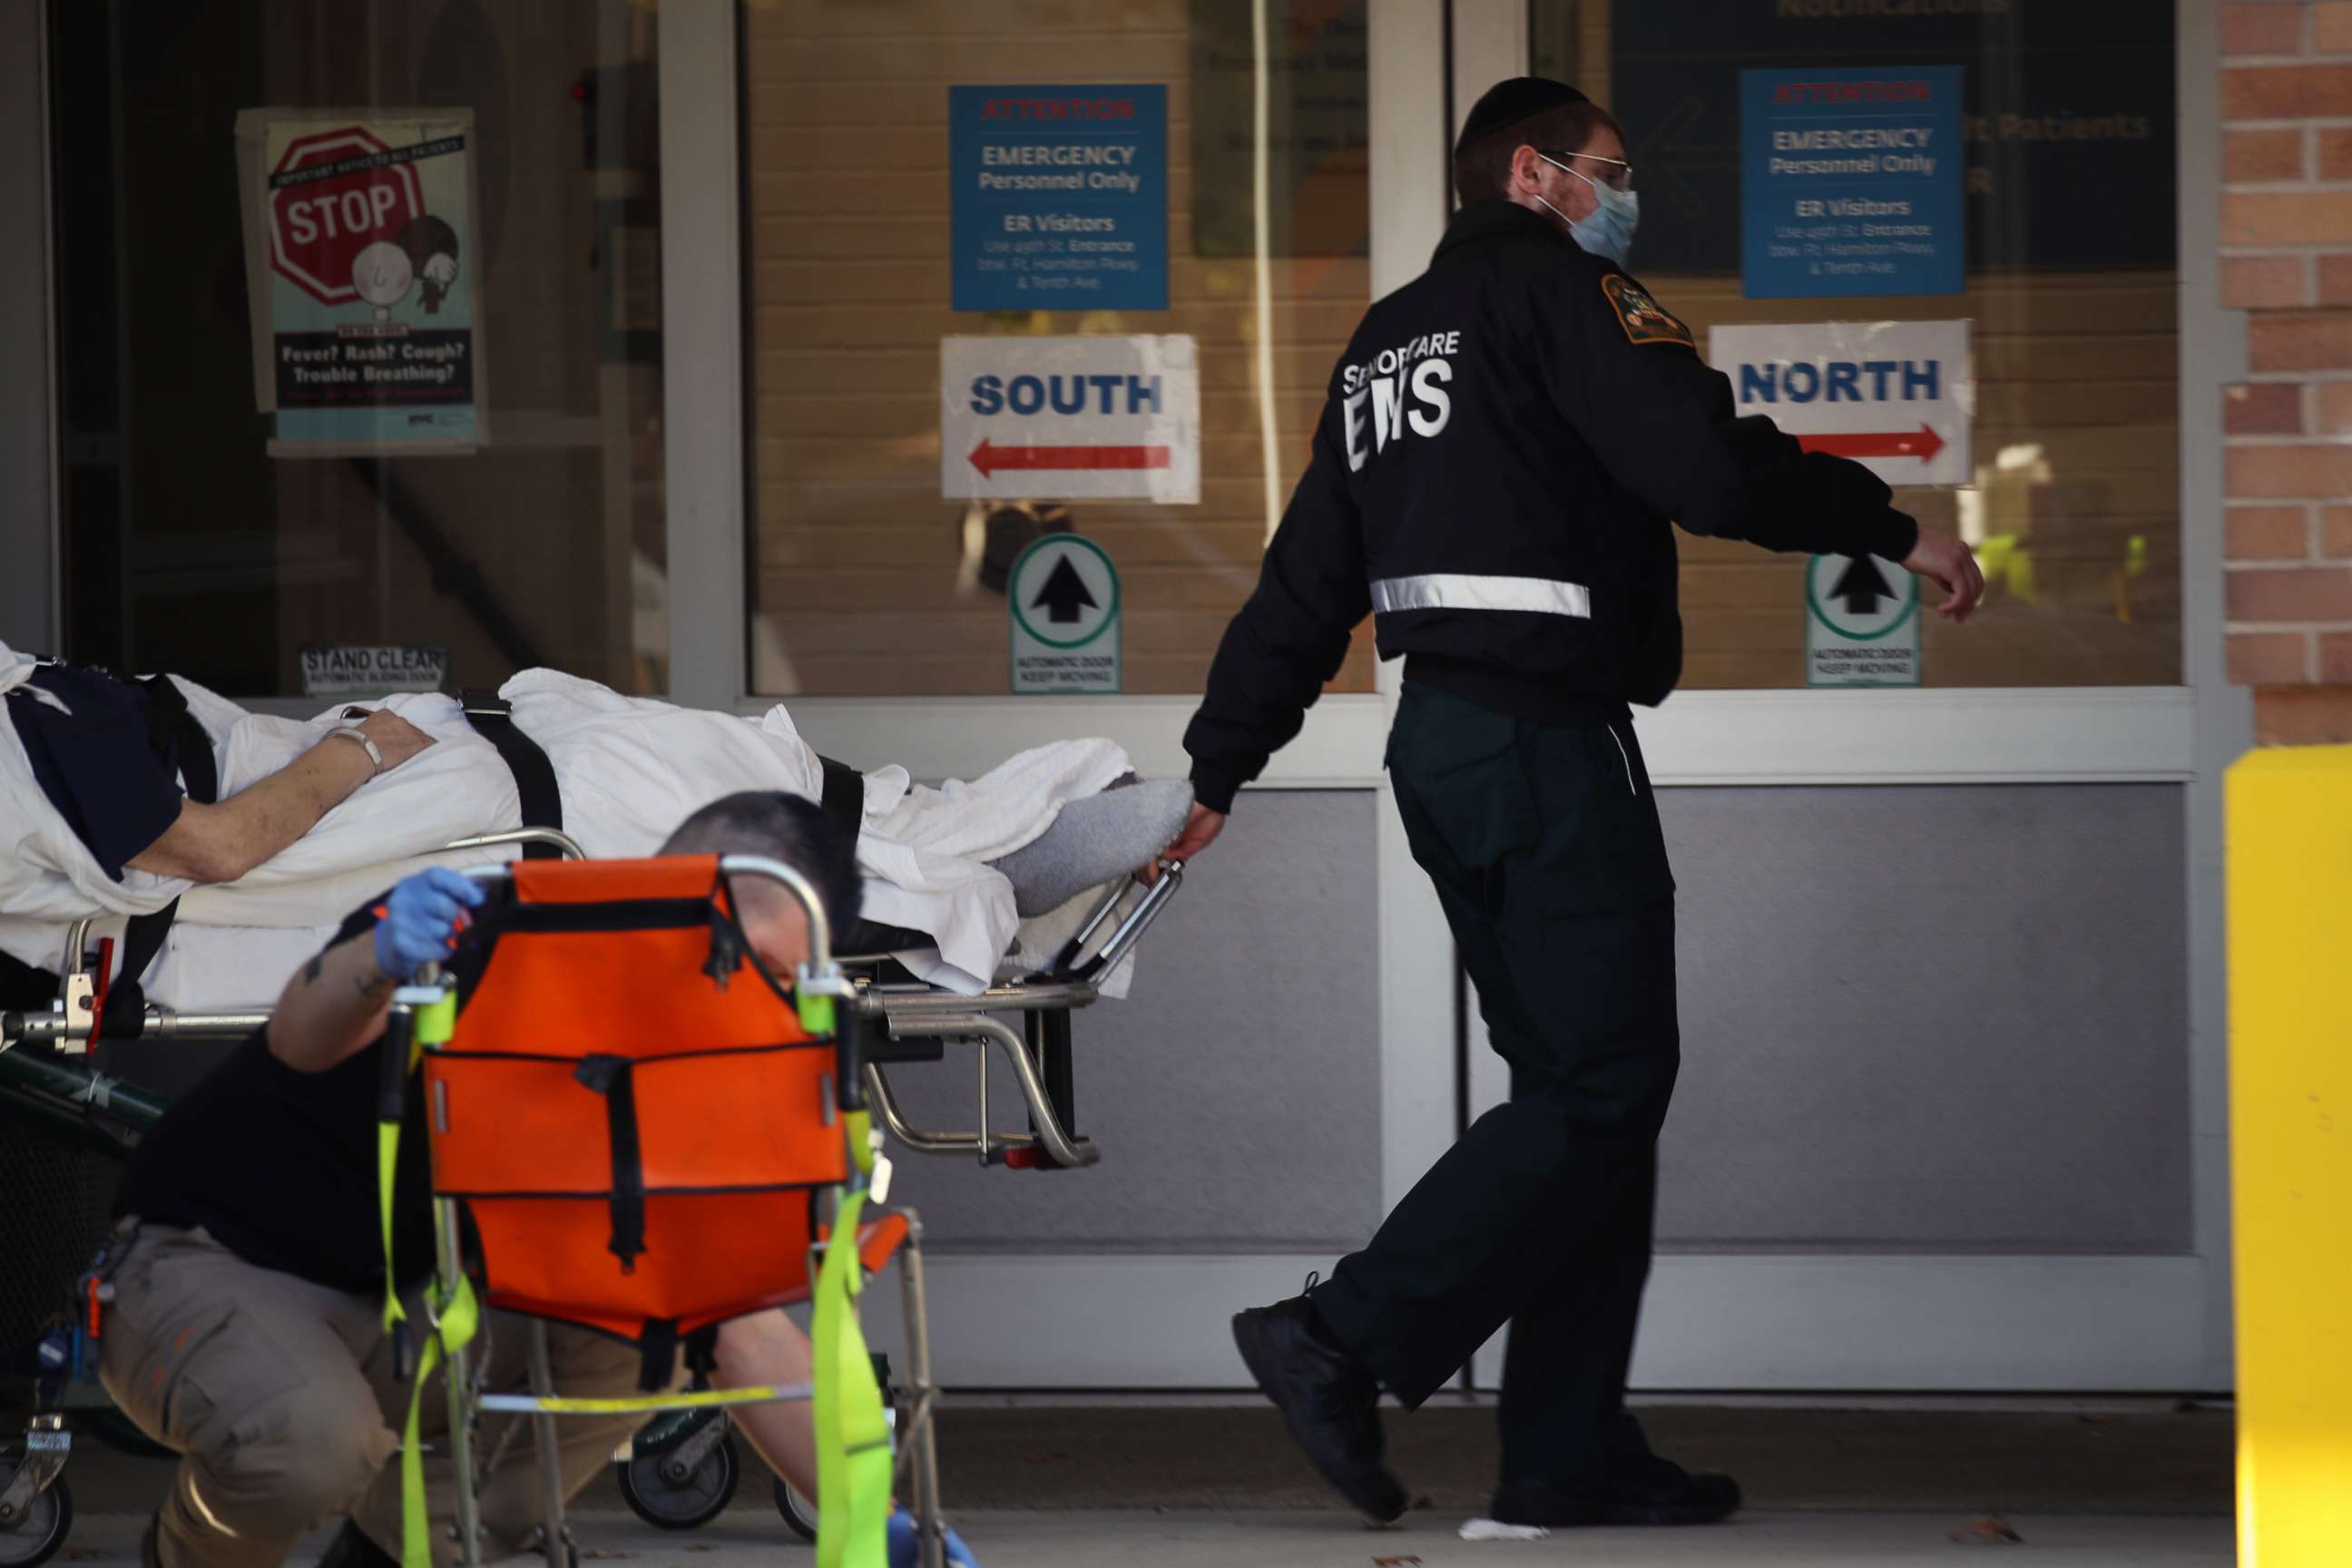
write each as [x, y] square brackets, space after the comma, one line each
[1065, 595]
[1862, 585]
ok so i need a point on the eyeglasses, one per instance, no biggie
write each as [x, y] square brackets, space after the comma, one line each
[1618, 179]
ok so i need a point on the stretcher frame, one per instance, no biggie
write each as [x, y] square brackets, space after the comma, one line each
[919, 1021]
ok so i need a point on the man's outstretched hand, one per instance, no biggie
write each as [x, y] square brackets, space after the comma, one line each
[1200, 830]
[1951, 566]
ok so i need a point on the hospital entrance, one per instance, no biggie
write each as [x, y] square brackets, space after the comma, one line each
[488, 433]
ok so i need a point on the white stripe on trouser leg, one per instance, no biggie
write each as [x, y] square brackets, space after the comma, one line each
[1631, 788]
[1466, 591]
[211, 1518]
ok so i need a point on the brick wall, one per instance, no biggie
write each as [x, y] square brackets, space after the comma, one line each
[2286, 262]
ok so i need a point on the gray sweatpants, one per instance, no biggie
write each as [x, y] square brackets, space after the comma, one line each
[279, 1394]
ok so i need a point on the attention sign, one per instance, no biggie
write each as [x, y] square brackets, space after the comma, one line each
[1059, 199]
[1849, 182]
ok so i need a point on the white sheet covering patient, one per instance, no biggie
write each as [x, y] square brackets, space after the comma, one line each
[627, 769]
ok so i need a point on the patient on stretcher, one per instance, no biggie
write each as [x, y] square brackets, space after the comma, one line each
[100, 816]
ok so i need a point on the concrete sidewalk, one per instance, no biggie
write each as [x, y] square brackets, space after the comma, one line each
[1133, 1482]
[1116, 1539]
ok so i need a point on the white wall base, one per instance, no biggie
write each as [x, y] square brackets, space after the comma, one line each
[1749, 1324]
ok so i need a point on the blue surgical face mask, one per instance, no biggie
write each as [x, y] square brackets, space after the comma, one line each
[1607, 230]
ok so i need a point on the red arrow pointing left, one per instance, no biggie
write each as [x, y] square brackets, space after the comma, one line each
[991, 460]
[1922, 443]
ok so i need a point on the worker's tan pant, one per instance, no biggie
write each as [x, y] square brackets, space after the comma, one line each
[281, 1396]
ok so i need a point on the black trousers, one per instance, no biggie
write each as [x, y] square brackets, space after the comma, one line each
[1543, 841]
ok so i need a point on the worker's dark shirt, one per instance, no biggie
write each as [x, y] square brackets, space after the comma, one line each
[1518, 426]
[280, 1165]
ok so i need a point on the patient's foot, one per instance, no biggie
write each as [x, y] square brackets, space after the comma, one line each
[1094, 840]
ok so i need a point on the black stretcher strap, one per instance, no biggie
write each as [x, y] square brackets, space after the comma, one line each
[657, 1353]
[604, 915]
[844, 797]
[178, 735]
[610, 1076]
[492, 717]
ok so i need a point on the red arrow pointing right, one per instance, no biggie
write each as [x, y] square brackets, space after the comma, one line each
[1922, 443]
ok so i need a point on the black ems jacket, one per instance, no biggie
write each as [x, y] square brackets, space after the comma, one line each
[1503, 446]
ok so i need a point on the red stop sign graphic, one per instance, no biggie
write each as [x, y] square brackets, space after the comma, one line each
[318, 227]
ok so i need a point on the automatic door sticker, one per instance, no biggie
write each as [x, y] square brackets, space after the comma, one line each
[1861, 622]
[1063, 600]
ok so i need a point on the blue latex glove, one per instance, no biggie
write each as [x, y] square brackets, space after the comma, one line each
[903, 1544]
[421, 919]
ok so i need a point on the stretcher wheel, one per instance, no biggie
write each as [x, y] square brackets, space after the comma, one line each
[798, 1511]
[34, 1539]
[675, 1502]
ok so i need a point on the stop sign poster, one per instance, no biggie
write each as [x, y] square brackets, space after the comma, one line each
[363, 274]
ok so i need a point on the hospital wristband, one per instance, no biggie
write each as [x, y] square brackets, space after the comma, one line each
[374, 756]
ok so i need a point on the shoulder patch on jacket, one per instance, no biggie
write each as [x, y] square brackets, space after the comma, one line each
[1644, 320]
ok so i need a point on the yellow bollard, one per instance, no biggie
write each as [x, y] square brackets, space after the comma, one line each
[2290, 865]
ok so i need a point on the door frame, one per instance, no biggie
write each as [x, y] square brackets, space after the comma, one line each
[29, 466]
[1872, 1321]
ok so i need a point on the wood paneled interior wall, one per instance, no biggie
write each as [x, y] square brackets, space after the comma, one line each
[857, 557]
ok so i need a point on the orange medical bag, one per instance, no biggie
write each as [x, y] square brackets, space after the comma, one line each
[629, 1108]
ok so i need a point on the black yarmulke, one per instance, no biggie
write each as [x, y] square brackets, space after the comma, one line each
[1506, 103]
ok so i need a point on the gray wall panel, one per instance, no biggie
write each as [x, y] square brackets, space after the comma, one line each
[1945, 1019]
[1236, 1093]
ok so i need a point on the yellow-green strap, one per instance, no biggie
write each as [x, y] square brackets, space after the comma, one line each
[415, 1512]
[646, 1404]
[458, 1318]
[435, 1022]
[853, 1439]
[817, 1013]
[387, 1161]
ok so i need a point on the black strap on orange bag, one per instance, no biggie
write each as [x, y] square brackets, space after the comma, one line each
[610, 1076]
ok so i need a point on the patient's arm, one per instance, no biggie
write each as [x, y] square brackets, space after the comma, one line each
[221, 843]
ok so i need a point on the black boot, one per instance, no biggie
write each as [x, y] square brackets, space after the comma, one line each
[1329, 1399]
[354, 1548]
[1632, 1490]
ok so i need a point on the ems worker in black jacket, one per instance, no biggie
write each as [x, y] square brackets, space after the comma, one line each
[1506, 443]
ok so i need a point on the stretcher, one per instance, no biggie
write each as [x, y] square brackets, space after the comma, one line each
[962, 871]
[1023, 1019]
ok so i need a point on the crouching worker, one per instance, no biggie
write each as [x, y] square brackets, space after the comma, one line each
[246, 1331]
[768, 1349]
